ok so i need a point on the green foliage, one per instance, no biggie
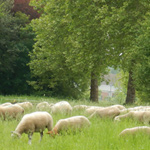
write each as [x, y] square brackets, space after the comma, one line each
[15, 44]
[125, 30]
[71, 43]
[142, 55]
[52, 69]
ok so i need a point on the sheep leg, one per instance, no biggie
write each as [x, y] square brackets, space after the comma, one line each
[92, 115]
[123, 116]
[30, 138]
[41, 133]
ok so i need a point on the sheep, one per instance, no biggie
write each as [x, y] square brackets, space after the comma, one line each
[72, 123]
[11, 111]
[126, 110]
[142, 116]
[120, 107]
[137, 108]
[107, 112]
[26, 105]
[34, 122]
[80, 107]
[133, 131]
[61, 107]
[92, 109]
[6, 104]
[43, 106]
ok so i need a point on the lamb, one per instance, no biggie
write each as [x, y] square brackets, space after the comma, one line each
[11, 111]
[73, 123]
[142, 116]
[26, 105]
[43, 106]
[61, 107]
[133, 131]
[109, 112]
[34, 122]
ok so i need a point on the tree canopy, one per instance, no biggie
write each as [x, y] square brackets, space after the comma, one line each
[15, 44]
[71, 42]
[77, 40]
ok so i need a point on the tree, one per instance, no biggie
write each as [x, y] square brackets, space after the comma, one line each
[15, 44]
[49, 55]
[24, 7]
[127, 18]
[71, 38]
[142, 55]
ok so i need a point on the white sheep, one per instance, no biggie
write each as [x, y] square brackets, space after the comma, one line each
[26, 105]
[80, 107]
[126, 110]
[92, 109]
[72, 123]
[137, 108]
[61, 107]
[142, 116]
[11, 111]
[34, 122]
[120, 107]
[6, 104]
[43, 106]
[133, 131]
[106, 112]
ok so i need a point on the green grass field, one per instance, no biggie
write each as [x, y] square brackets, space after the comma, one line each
[101, 135]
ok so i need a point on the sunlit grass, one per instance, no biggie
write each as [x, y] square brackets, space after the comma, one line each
[101, 135]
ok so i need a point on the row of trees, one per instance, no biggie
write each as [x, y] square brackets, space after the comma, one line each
[76, 41]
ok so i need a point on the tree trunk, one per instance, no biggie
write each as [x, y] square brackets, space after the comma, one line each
[94, 88]
[130, 90]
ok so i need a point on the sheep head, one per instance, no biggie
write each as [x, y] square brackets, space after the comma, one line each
[53, 132]
[15, 134]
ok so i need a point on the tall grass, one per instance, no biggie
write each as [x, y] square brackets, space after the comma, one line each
[101, 135]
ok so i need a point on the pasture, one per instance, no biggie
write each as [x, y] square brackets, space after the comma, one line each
[101, 135]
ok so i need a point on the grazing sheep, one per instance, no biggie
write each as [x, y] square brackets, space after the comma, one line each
[107, 112]
[133, 131]
[11, 111]
[61, 107]
[43, 106]
[137, 108]
[26, 105]
[80, 107]
[34, 122]
[92, 109]
[120, 107]
[142, 116]
[73, 123]
[6, 104]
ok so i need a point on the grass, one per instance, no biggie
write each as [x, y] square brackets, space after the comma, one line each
[101, 135]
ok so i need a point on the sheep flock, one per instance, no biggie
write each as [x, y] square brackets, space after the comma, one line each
[42, 116]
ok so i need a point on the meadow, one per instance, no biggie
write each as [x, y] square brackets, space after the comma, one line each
[101, 135]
